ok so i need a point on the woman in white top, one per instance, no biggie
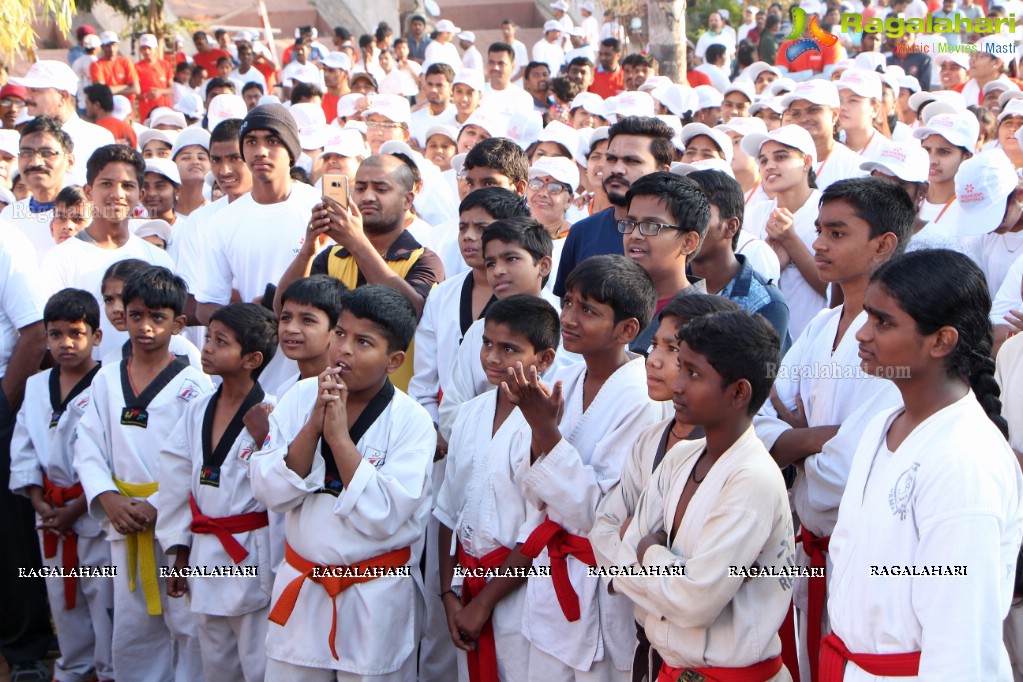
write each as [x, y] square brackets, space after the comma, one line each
[549, 192]
[948, 139]
[861, 114]
[929, 528]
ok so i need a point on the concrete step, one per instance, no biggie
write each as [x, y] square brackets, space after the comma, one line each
[481, 15]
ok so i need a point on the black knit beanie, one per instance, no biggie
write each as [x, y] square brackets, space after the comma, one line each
[276, 119]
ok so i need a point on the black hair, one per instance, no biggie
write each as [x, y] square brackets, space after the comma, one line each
[227, 130]
[725, 192]
[100, 93]
[183, 66]
[687, 307]
[613, 43]
[305, 91]
[156, 287]
[114, 153]
[391, 312]
[715, 52]
[738, 345]
[224, 60]
[884, 205]
[523, 232]
[772, 21]
[299, 174]
[220, 32]
[498, 202]
[322, 292]
[938, 288]
[638, 59]
[365, 40]
[254, 327]
[124, 269]
[343, 33]
[253, 85]
[72, 305]
[383, 30]
[562, 149]
[502, 47]
[616, 281]
[501, 155]
[659, 132]
[218, 82]
[532, 66]
[72, 195]
[581, 61]
[399, 41]
[51, 126]
[565, 89]
[683, 198]
[443, 70]
[530, 316]
[200, 34]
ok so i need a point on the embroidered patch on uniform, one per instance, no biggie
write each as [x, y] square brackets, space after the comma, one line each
[248, 447]
[82, 403]
[54, 418]
[266, 441]
[189, 390]
[131, 416]
[899, 497]
[331, 486]
[209, 476]
[375, 457]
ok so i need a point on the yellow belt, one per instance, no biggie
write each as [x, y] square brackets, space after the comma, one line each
[142, 551]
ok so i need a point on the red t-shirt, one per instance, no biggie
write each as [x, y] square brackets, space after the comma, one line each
[329, 104]
[119, 129]
[608, 83]
[267, 69]
[116, 71]
[155, 75]
[697, 78]
[208, 60]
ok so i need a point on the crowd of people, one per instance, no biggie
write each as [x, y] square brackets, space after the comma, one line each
[410, 359]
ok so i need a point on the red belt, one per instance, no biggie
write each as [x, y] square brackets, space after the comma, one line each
[758, 672]
[56, 496]
[334, 585]
[560, 544]
[226, 527]
[834, 654]
[482, 660]
[816, 548]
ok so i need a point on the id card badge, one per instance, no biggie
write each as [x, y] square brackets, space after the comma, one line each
[131, 416]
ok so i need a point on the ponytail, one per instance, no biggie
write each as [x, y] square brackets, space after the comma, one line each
[981, 376]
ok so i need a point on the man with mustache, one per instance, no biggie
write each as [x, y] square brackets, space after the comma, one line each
[637, 145]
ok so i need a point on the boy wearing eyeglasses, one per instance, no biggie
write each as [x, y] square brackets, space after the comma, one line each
[666, 221]
[44, 160]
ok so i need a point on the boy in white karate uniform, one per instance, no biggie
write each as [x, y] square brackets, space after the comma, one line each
[577, 631]
[209, 516]
[136, 405]
[479, 503]
[42, 451]
[715, 506]
[348, 458]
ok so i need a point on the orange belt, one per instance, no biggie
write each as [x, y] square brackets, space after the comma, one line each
[483, 660]
[834, 654]
[225, 528]
[815, 548]
[334, 585]
[758, 672]
[56, 496]
[560, 544]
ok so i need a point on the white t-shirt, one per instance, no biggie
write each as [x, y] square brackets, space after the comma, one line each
[82, 67]
[87, 138]
[592, 29]
[35, 226]
[550, 54]
[442, 53]
[718, 77]
[250, 245]
[472, 59]
[422, 120]
[508, 101]
[253, 75]
[841, 163]
[21, 296]
[995, 254]
[708, 39]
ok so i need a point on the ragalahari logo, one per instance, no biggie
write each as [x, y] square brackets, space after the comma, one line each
[808, 35]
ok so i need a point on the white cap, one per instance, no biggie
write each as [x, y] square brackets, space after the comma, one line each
[775, 104]
[558, 4]
[909, 83]
[678, 98]
[193, 135]
[918, 99]
[556, 131]
[155, 228]
[190, 104]
[744, 125]
[752, 9]
[107, 37]
[147, 40]
[983, 186]
[791, 136]
[811, 6]
[780, 86]
[47, 73]
[907, 162]
[268, 99]
[10, 142]
[816, 90]
[937, 107]
[91, 41]
[1007, 95]
[400, 147]
[587, 5]
[722, 140]
[168, 117]
[707, 96]
[494, 122]
[745, 88]
[863, 83]
[552, 25]
[590, 102]
[719, 165]
[672, 121]
[224, 107]
[524, 127]
[243, 37]
[598, 135]
[631, 103]
[122, 107]
[558, 167]
[894, 70]
[150, 134]
[870, 61]
[356, 125]
[1012, 108]
[392, 107]
[346, 142]
[347, 105]
[306, 114]
[164, 167]
[337, 60]
[1001, 83]
[457, 163]
[754, 70]
[446, 26]
[654, 82]
[959, 130]
[450, 132]
[724, 14]
[471, 77]
[960, 59]
[467, 36]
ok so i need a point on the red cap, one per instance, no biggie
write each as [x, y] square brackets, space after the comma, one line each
[83, 31]
[12, 90]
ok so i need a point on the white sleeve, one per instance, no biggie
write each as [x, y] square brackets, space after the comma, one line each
[763, 259]
[93, 451]
[21, 299]
[447, 508]
[425, 384]
[273, 483]
[173, 523]
[618, 505]
[217, 278]
[25, 468]
[767, 424]
[1008, 297]
[463, 386]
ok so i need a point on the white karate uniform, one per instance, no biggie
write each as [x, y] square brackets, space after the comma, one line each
[232, 611]
[480, 502]
[384, 508]
[84, 633]
[145, 648]
[949, 495]
[567, 484]
[739, 516]
[179, 346]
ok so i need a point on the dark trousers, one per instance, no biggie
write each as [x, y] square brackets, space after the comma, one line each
[25, 632]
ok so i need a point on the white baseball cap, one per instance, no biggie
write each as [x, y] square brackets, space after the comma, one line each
[337, 60]
[467, 36]
[392, 107]
[122, 107]
[983, 186]
[998, 46]
[10, 142]
[227, 106]
[471, 77]
[744, 88]
[491, 121]
[345, 142]
[961, 131]
[558, 4]
[91, 41]
[164, 167]
[155, 228]
[907, 162]
[678, 98]
[631, 103]
[190, 136]
[1001, 83]
[870, 61]
[775, 104]
[558, 167]
[268, 99]
[679, 168]
[147, 40]
[654, 82]
[864, 83]
[723, 142]
[47, 73]
[524, 127]
[1012, 108]
[168, 117]
[450, 132]
[754, 70]
[590, 102]
[190, 104]
[552, 25]
[107, 37]
[960, 59]
[446, 26]
[794, 136]
[556, 131]
[782, 85]
[672, 121]
[167, 136]
[347, 106]
[919, 99]
[598, 135]
[816, 91]
[707, 97]
[743, 125]
[1007, 95]
[909, 83]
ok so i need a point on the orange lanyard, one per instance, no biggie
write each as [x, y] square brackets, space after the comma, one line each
[751, 193]
[825, 161]
[947, 204]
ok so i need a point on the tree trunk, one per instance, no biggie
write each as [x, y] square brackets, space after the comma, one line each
[666, 26]
[155, 21]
